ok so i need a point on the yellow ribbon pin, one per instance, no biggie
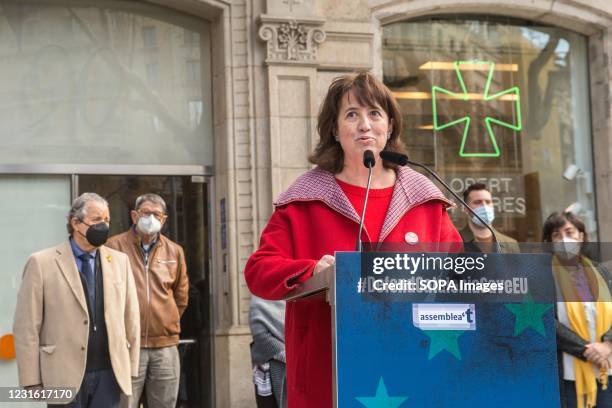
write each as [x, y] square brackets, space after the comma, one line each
[109, 258]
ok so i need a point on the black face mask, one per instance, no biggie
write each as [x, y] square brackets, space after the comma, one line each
[97, 234]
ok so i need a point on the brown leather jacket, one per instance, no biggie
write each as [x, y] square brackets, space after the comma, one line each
[162, 287]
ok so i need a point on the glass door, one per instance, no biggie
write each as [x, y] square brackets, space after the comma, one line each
[33, 210]
[188, 224]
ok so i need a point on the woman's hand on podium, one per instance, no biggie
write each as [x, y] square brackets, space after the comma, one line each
[325, 262]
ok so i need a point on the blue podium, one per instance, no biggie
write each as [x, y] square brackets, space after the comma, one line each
[441, 330]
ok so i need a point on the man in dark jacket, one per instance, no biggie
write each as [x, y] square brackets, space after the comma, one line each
[158, 265]
[477, 236]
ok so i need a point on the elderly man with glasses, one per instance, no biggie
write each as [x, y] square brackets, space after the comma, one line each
[158, 265]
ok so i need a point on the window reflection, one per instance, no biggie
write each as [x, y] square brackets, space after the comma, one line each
[148, 37]
[191, 37]
[192, 71]
[528, 118]
[76, 76]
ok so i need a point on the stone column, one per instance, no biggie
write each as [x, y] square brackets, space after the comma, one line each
[292, 37]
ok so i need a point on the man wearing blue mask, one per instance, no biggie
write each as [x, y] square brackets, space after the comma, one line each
[476, 234]
[77, 321]
[160, 273]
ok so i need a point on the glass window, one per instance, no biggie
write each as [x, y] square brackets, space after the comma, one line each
[191, 37]
[193, 70]
[502, 102]
[153, 74]
[77, 87]
[195, 113]
[33, 218]
[148, 37]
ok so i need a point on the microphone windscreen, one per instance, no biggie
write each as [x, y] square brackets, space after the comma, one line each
[368, 159]
[394, 157]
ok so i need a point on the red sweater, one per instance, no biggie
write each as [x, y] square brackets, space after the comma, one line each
[313, 218]
[378, 204]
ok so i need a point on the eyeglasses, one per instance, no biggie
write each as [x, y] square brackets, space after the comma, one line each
[157, 214]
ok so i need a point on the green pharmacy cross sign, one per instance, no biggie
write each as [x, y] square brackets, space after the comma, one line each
[464, 95]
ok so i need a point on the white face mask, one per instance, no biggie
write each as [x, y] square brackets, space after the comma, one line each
[485, 212]
[149, 225]
[567, 249]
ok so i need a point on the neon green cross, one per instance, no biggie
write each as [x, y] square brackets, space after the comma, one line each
[466, 119]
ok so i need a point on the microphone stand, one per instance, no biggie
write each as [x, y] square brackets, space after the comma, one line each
[369, 164]
[413, 163]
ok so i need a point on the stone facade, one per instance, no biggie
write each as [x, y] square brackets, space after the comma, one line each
[272, 61]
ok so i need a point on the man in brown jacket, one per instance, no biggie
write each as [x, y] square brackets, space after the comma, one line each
[158, 265]
[76, 321]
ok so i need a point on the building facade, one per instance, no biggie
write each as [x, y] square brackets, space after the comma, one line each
[213, 105]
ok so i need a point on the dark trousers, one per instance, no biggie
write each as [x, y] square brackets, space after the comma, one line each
[265, 402]
[99, 389]
[568, 394]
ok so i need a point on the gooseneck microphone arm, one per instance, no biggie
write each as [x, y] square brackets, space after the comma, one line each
[403, 160]
[368, 161]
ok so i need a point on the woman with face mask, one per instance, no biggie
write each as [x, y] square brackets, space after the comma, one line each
[584, 313]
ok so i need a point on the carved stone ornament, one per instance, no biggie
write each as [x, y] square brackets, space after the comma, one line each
[291, 41]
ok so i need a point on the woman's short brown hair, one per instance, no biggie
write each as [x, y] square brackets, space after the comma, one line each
[557, 220]
[369, 91]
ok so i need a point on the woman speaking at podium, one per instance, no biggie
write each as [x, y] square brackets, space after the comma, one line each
[584, 313]
[320, 214]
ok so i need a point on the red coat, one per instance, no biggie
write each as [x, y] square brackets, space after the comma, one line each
[313, 218]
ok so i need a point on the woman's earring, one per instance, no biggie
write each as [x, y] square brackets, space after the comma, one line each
[337, 138]
[388, 135]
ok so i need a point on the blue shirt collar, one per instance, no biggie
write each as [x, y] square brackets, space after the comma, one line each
[77, 251]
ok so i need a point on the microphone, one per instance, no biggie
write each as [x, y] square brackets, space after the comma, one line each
[394, 157]
[403, 160]
[368, 161]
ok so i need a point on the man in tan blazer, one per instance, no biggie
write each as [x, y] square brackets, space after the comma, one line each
[77, 320]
